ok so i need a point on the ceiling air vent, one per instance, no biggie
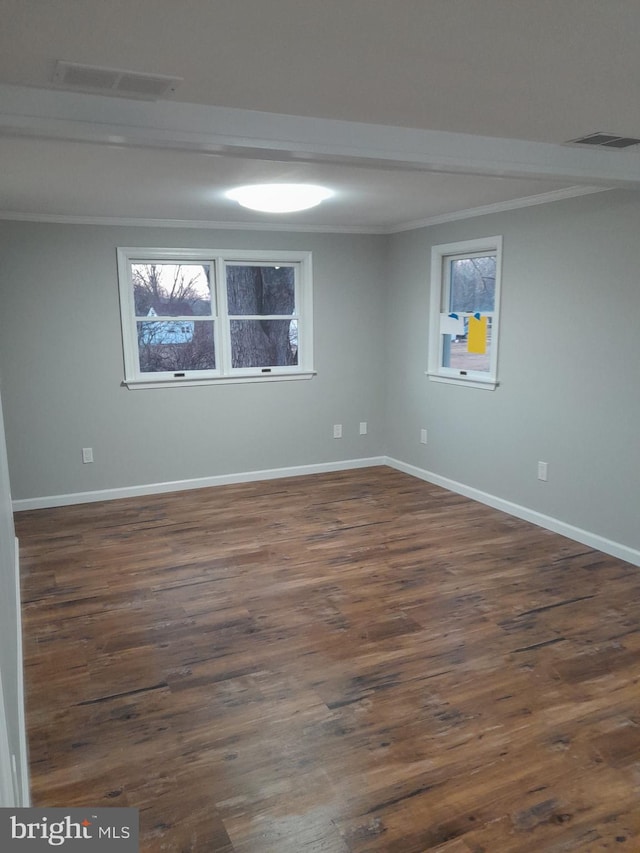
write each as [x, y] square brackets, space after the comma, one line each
[606, 140]
[112, 81]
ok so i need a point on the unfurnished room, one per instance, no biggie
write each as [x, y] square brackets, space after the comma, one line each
[319, 456]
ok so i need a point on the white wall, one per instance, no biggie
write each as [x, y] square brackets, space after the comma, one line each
[568, 366]
[61, 354]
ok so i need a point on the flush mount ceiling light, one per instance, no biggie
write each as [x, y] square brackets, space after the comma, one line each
[279, 198]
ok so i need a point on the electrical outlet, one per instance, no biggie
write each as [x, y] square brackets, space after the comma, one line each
[543, 469]
[337, 430]
[363, 427]
[87, 454]
[423, 436]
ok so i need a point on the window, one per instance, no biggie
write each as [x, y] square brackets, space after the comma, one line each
[465, 298]
[193, 316]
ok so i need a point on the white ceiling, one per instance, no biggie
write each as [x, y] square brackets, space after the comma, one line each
[411, 110]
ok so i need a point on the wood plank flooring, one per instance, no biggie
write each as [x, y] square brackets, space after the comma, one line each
[355, 662]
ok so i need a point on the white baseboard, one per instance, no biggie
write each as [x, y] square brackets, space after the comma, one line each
[608, 546]
[196, 483]
[585, 537]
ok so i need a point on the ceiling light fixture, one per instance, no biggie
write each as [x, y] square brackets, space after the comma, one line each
[279, 198]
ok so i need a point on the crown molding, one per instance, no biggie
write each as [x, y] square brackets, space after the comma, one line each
[293, 227]
[203, 224]
[498, 207]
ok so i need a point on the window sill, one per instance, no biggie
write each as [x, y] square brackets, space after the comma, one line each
[188, 382]
[469, 381]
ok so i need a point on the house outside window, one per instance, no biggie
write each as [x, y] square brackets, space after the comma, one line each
[197, 316]
[464, 312]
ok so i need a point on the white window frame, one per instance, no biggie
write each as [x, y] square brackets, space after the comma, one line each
[224, 372]
[440, 257]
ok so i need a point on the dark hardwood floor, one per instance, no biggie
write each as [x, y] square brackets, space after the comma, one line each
[344, 663]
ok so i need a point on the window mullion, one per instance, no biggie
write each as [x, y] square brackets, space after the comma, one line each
[224, 331]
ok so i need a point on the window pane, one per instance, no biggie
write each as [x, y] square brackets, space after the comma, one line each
[260, 290]
[293, 340]
[472, 284]
[171, 290]
[186, 345]
[455, 353]
[264, 343]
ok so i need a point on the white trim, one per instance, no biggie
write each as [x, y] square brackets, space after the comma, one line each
[15, 793]
[148, 384]
[196, 483]
[7, 787]
[468, 213]
[439, 294]
[469, 381]
[219, 319]
[497, 207]
[578, 534]
[24, 795]
[206, 224]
